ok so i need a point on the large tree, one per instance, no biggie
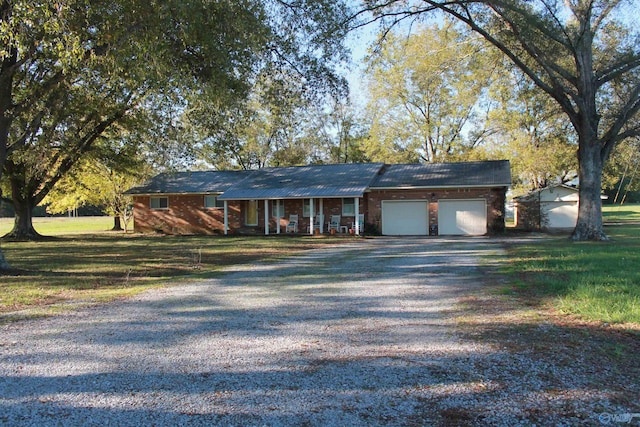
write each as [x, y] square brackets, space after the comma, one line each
[426, 91]
[529, 129]
[262, 130]
[340, 132]
[584, 54]
[72, 69]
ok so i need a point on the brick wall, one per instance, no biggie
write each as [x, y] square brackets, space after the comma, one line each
[186, 214]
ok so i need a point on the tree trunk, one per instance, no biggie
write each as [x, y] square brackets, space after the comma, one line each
[589, 225]
[117, 223]
[23, 225]
[125, 219]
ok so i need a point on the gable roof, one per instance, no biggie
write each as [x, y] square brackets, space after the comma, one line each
[327, 181]
[199, 182]
[554, 192]
[299, 182]
[491, 173]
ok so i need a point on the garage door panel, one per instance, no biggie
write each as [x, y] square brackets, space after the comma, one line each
[560, 214]
[462, 217]
[405, 218]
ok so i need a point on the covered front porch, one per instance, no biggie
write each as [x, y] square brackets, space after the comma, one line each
[272, 198]
[314, 215]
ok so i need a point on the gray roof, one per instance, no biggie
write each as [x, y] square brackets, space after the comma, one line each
[492, 173]
[327, 181]
[208, 182]
[315, 181]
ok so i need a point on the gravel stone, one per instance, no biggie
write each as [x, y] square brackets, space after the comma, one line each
[362, 333]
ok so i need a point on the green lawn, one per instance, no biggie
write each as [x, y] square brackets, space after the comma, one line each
[106, 266]
[54, 226]
[621, 213]
[591, 280]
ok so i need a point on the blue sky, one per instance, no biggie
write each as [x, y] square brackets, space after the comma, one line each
[358, 42]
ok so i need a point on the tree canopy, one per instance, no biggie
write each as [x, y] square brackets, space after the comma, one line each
[71, 70]
[583, 54]
[426, 94]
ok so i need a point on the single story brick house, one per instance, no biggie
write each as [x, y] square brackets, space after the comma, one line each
[466, 198]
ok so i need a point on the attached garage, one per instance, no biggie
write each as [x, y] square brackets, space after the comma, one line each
[462, 217]
[405, 218]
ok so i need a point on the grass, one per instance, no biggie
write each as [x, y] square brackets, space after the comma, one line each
[621, 213]
[85, 268]
[54, 226]
[595, 281]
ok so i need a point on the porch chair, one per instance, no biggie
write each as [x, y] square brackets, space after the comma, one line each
[360, 224]
[316, 223]
[335, 223]
[293, 224]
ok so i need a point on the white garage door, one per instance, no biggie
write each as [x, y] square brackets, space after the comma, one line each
[405, 218]
[462, 217]
[560, 214]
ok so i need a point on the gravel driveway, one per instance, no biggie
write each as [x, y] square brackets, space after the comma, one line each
[357, 334]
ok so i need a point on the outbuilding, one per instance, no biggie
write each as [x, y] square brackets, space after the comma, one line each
[550, 208]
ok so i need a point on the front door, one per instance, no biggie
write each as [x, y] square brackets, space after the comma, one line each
[251, 212]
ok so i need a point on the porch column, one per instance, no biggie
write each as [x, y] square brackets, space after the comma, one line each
[278, 216]
[356, 204]
[311, 203]
[321, 213]
[226, 217]
[266, 217]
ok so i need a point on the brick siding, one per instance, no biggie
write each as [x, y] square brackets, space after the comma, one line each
[186, 214]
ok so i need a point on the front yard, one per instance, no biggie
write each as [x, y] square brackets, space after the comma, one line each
[592, 281]
[87, 268]
[555, 324]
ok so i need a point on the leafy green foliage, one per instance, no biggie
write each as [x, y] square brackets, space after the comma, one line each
[621, 179]
[101, 181]
[72, 71]
[426, 94]
[530, 130]
[341, 132]
[258, 131]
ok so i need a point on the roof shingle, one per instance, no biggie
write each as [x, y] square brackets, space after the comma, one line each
[200, 182]
[327, 181]
[430, 175]
[298, 182]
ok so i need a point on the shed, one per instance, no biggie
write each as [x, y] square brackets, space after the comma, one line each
[550, 208]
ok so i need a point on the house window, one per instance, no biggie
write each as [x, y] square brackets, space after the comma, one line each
[348, 207]
[277, 208]
[213, 202]
[251, 212]
[306, 207]
[159, 203]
